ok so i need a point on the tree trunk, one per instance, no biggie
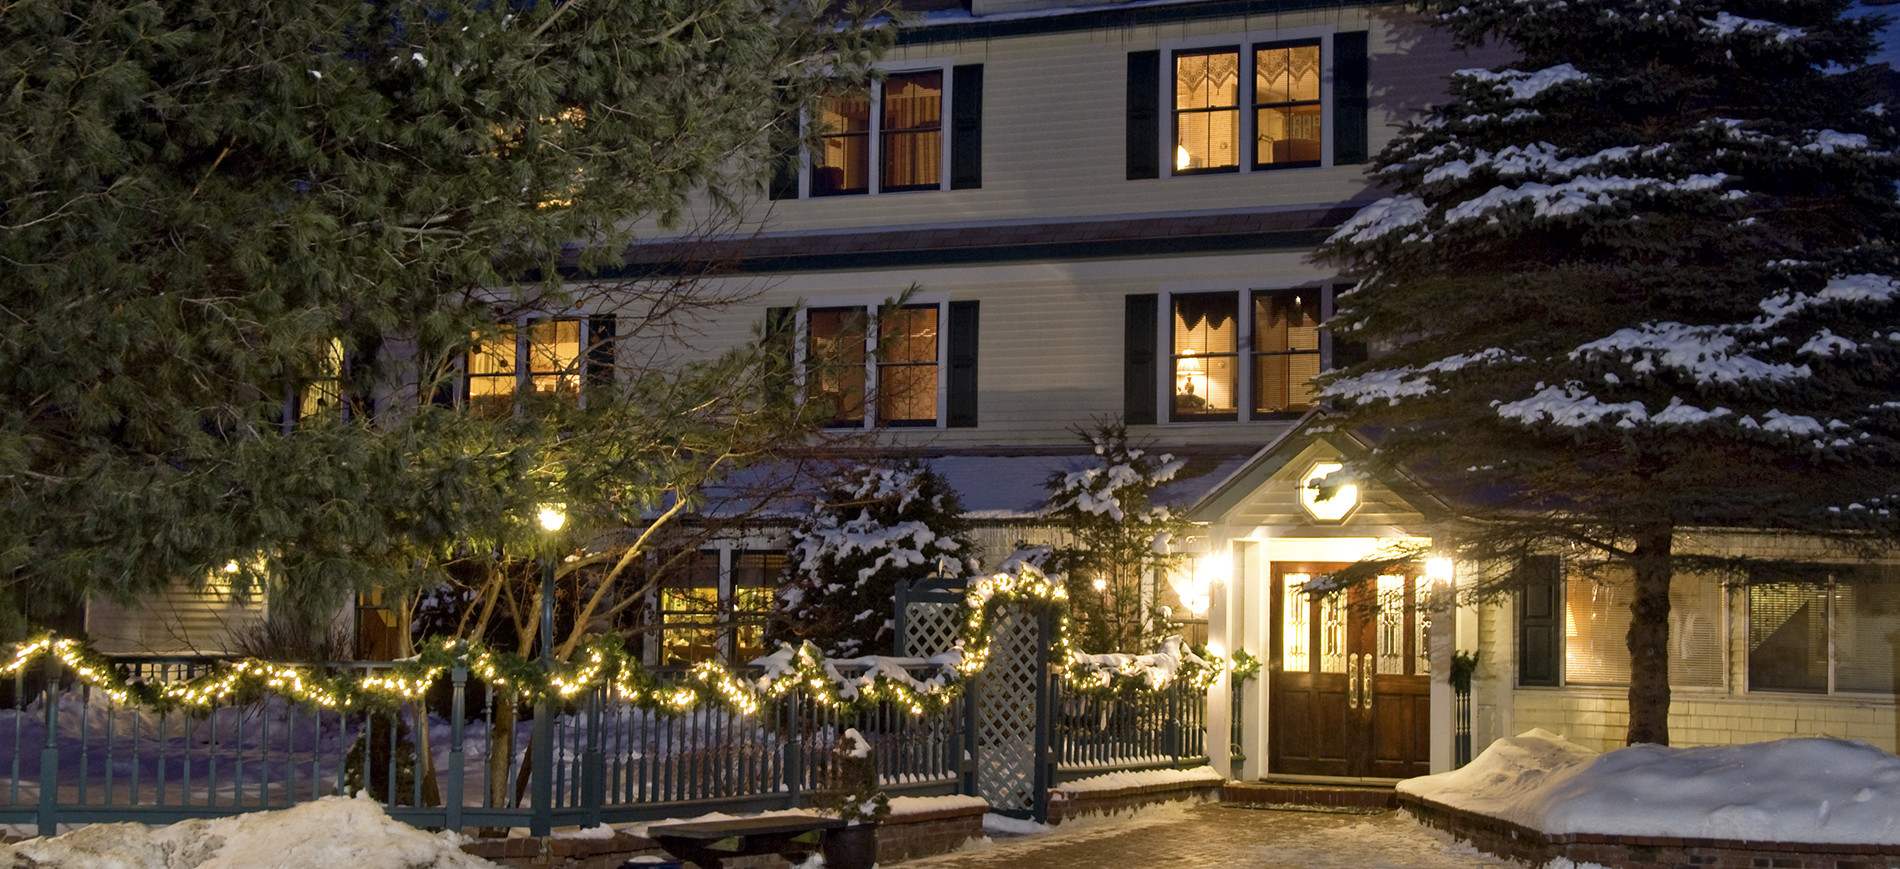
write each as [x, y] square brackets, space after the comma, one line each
[1649, 636]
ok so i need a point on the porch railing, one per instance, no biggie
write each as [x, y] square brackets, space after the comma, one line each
[1098, 733]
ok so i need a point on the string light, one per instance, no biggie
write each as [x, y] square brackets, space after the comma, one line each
[605, 663]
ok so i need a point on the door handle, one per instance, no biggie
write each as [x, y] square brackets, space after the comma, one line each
[1365, 682]
[1352, 681]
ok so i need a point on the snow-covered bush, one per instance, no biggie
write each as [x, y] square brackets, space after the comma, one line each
[1119, 540]
[873, 528]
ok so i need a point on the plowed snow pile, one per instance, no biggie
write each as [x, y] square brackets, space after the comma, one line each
[1814, 790]
[330, 833]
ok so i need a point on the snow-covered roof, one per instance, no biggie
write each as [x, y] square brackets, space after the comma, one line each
[991, 487]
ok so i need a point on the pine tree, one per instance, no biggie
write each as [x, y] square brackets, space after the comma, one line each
[1120, 541]
[208, 209]
[873, 528]
[1637, 282]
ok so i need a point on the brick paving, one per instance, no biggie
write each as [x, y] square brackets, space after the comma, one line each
[1214, 835]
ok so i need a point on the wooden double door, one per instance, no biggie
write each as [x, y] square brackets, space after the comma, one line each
[1350, 676]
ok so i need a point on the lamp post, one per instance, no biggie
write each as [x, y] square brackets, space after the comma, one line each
[541, 779]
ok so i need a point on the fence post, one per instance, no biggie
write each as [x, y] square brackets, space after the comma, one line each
[49, 754]
[794, 765]
[593, 780]
[966, 765]
[458, 706]
[1171, 732]
[1044, 776]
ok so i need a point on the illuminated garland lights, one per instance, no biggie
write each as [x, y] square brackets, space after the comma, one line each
[604, 661]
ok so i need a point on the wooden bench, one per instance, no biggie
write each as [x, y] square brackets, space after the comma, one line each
[708, 844]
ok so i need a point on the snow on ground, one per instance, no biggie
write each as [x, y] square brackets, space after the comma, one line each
[330, 832]
[1815, 790]
[1117, 780]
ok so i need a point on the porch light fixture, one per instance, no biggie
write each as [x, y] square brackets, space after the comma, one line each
[1439, 570]
[1335, 508]
[552, 517]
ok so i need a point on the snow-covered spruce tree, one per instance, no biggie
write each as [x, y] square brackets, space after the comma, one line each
[873, 528]
[1119, 541]
[1637, 282]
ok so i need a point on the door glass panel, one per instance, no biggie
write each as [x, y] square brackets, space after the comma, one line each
[1332, 633]
[1391, 621]
[1421, 636]
[1295, 630]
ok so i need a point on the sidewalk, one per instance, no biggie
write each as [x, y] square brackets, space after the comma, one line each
[1214, 835]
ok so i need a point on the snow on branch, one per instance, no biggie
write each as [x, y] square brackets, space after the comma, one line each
[1846, 288]
[1706, 353]
[1725, 24]
[1522, 85]
[1394, 384]
[1574, 195]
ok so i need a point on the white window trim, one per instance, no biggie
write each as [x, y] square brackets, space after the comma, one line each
[870, 304]
[875, 152]
[1246, 41]
[1832, 587]
[1243, 345]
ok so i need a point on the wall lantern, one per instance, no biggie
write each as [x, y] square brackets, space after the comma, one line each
[1335, 508]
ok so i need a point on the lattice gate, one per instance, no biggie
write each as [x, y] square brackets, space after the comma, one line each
[1013, 725]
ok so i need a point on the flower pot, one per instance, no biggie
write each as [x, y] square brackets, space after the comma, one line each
[853, 847]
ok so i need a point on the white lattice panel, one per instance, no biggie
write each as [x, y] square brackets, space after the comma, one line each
[1006, 713]
[931, 628]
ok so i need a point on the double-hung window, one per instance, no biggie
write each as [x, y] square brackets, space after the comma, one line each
[1283, 89]
[1243, 354]
[551, 358]
[714, 604]
[884, 369]
[1836, 632]
[1259, 102]
[915, 129]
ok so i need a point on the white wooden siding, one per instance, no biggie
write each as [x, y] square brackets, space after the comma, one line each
[1055, 118]
[176, 621]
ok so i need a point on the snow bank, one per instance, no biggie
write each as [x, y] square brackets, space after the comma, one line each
[921, 805]
[330, 832]
[1115, 781]
[1810, 790]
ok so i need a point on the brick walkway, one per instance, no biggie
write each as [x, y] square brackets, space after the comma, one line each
[1226, 836]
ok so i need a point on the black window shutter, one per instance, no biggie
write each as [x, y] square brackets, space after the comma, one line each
[1539, 618]
[962, 382]
[1144, 106]
[1138, 367]
[1350, 98]
[1346, 352]
[966, 127]
[778, 338]
[600, 350]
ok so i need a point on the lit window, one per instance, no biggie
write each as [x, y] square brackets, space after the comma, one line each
[713, 606]
[1206, 329]
[896, 126]
[1597, 624]
[1834, 634]
[842, 163]
[1216, 106]
[1286, 105]
[550, 358]
[912, 131]
[1206, 111]
[689, 611]
[1286, 354]
[899, 378]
